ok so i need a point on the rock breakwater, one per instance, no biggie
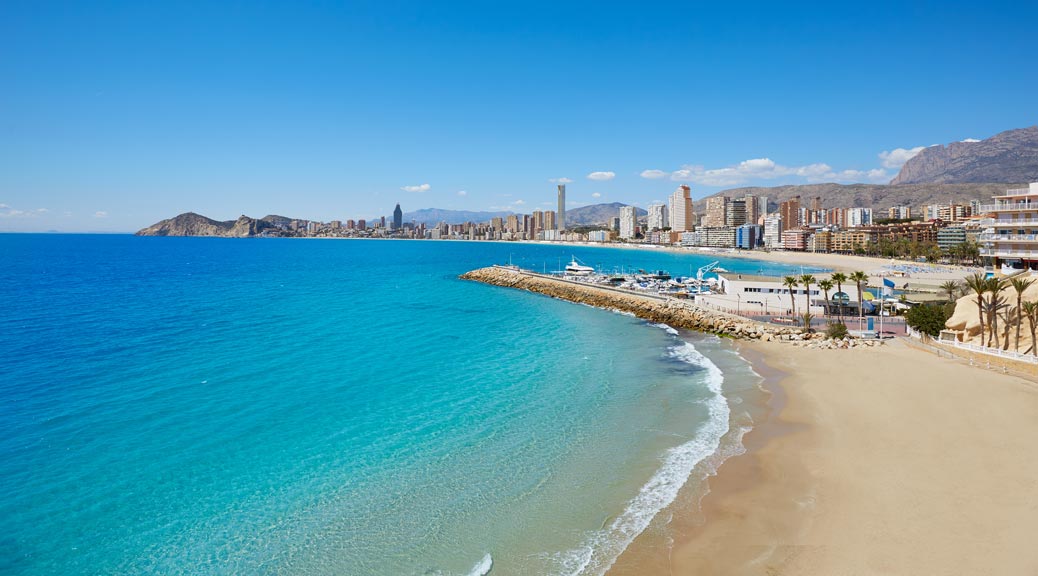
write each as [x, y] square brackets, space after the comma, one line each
[670, 311]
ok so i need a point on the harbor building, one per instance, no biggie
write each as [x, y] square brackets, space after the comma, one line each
[1010, 231]
[682, 219]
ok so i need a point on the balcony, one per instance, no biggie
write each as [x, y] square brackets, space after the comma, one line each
[1016, 192]
[996, 223]
[1009, 253]
[1007, 237]
[1007, 207]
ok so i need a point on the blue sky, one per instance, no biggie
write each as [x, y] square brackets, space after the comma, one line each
[115, 115]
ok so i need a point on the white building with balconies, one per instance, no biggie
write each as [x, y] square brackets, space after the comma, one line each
[1010, 230]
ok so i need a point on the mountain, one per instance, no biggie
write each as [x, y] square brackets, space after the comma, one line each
[432, 216]
[191, 224]
[1010, 156]
[875, 196]
[596, 214]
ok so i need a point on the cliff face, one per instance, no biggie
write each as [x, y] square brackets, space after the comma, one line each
[1010, 156]
[191, 224]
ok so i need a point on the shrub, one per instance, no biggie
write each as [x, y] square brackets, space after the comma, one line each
[836, 331]
[928, 319]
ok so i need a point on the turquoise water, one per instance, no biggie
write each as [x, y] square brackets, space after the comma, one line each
[214, 406]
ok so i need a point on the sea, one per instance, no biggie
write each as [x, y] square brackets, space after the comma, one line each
[305, 406]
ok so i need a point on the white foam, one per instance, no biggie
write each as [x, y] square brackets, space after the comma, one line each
[603, 546]
[482, 568]
[666, 328]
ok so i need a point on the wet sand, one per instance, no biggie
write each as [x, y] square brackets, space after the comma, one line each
[870, 461]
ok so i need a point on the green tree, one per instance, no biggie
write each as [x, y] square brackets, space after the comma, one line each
[826, 285]
[927, 318]
[1019, 284]
[1031, 311]
[860, 278]
[791, 283]
[807, 280]
[979, 285]
[950, 288]
[839, 278]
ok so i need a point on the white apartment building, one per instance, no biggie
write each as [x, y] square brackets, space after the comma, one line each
[857, 217]
[628, 222]
[658, 217]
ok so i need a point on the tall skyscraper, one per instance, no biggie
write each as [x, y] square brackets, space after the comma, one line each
[560, 217]
[736, 216]
[549, 220]
[398, 217]
[628, 221]
[681, 217]
[657, 216]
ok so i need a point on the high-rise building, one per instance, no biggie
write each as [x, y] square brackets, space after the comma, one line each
[859, 217]
[816, 203]
[773, 231]
[754, 210]
[657, 217]
[398, 217]
[562, 208]
[716, 211]
[538, 221]
[549, 220]
[512, 223]
[681, 216]
[497, 223]
[614, 224]
[790, 213]
[899, 212]
[735, 216]
[628, 221]
[362, 224]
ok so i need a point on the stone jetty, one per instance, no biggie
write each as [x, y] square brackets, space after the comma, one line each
[654, 308]
[671, 311]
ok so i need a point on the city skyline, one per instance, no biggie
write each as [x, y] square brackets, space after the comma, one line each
[322, 112]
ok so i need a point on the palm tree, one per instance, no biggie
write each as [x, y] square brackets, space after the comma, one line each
[1031, 311]
[979, 284]
[791, 283]
[1008, 315]
[826, 285]
[1019, 284]
[839, 278]
[998, 301]
[859, 278]
[950, 288]
[807, 316]
[807, 280]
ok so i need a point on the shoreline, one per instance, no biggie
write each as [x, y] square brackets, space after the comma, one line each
[922, 468]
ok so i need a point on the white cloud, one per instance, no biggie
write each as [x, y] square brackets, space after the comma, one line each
[601, 176]
[654, 174]
[559, 180]
[970, 140]
[768, 169]
[4, 206]
[100, 214]
[419, 188]
[519, 202]
[596, 195]
[463, 193]
[42, 210]
[896, 158]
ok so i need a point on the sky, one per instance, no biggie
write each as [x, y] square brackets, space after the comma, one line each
[114, 115]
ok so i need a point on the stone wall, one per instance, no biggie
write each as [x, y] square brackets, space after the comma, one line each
[670, 311]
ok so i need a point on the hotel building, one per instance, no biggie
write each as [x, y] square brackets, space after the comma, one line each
[681, 217]
[1010, 232]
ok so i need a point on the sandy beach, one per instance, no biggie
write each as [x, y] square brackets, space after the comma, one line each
[871, 461]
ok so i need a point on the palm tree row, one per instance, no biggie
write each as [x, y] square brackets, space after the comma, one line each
[993, 306]
[826, 284]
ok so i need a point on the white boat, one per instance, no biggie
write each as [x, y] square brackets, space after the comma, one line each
[575, 268]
